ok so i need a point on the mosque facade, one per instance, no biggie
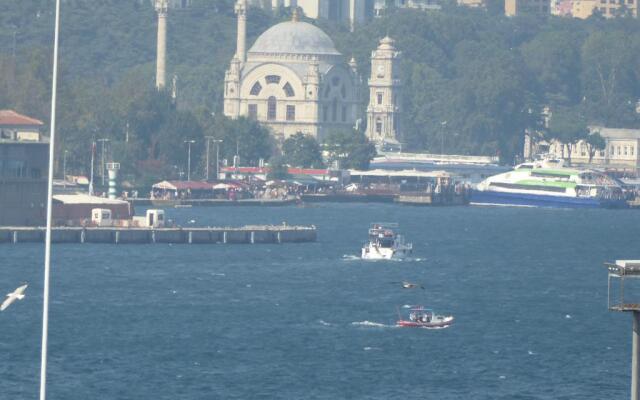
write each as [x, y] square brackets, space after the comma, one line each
[292, 80]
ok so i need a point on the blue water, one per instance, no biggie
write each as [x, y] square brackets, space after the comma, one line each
[310, 321]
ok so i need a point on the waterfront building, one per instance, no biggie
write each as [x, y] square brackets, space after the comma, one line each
[291, 80]
[23, 170]
[530, 7]
[383, 112]
[620, 152]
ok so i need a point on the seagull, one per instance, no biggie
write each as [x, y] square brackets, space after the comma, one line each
[17, 294]
[409, 285]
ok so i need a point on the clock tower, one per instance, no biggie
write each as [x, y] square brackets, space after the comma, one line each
[383, 112]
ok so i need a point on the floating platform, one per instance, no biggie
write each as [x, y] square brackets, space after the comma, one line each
[118, 235]
[432, 200]
[213, 202]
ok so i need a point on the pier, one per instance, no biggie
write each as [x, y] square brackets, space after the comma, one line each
[206, 235]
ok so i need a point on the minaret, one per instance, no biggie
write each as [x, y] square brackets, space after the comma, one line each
[311, 84]
[241, 10]
[162, 8]
[383, 112]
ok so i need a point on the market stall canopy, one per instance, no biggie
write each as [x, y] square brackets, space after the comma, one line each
[183, 185]
[225, 186]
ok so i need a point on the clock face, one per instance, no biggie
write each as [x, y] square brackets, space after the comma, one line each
[380, 70]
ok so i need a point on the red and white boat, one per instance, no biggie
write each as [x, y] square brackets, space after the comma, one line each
[420, 317]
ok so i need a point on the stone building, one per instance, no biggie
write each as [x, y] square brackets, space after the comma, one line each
[292, 80]
[383, 112]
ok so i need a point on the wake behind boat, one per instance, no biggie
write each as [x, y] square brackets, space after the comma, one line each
[385, 243]
[420, 317]
[549, 184]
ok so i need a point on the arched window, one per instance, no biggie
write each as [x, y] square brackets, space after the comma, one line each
[272, 104]
[334, 110]
[379, 126]
[272, 79]
[256, 89]
[288, 90]
[343, 91]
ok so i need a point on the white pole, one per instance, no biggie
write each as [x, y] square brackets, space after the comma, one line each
[189, 164]
[47, 249]
[208, 142]
[93, 150]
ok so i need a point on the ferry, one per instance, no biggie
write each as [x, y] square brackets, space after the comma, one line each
[550, 184]
[420, 317]
[385, 243]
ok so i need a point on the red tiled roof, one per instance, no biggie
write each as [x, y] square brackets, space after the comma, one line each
[10, 117]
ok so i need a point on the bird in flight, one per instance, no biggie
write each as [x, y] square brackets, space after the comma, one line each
[409, 285]
[17, 294]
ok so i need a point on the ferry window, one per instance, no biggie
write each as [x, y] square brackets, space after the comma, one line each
[291, 113]
[256, 89]
[271, 108]
[272, 79]
[253, 111]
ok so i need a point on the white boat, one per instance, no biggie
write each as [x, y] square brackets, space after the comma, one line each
[550, 184]
[385, 244]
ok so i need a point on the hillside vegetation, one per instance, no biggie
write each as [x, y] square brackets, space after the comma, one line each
[473, 81]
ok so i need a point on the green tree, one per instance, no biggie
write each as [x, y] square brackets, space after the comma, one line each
[567, 127]
[244, 137]
[302, 151]
[595, 142]
[350, 148]
[278, 169]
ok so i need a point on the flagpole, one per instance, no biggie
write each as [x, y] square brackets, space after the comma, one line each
[47, 248]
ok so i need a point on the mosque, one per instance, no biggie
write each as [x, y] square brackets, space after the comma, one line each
[294, 80]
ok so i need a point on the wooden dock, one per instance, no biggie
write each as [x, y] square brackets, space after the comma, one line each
[118, 235]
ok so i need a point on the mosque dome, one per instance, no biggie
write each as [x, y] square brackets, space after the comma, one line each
[294, 37]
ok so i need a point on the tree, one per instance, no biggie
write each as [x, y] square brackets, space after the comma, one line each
[244, 137]
[567, 127]
[350, 148]
[595, 142]
[302, 151]
[278, 169]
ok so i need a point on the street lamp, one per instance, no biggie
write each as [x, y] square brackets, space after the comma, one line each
[189, 143]
[443, 124]
[103, 141]
[216, 141]
[620, 273]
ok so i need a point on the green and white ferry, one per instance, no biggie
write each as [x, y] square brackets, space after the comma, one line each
[550, 184]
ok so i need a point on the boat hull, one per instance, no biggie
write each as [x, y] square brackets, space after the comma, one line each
[416, 324]
[372, 253]
[489, 197]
